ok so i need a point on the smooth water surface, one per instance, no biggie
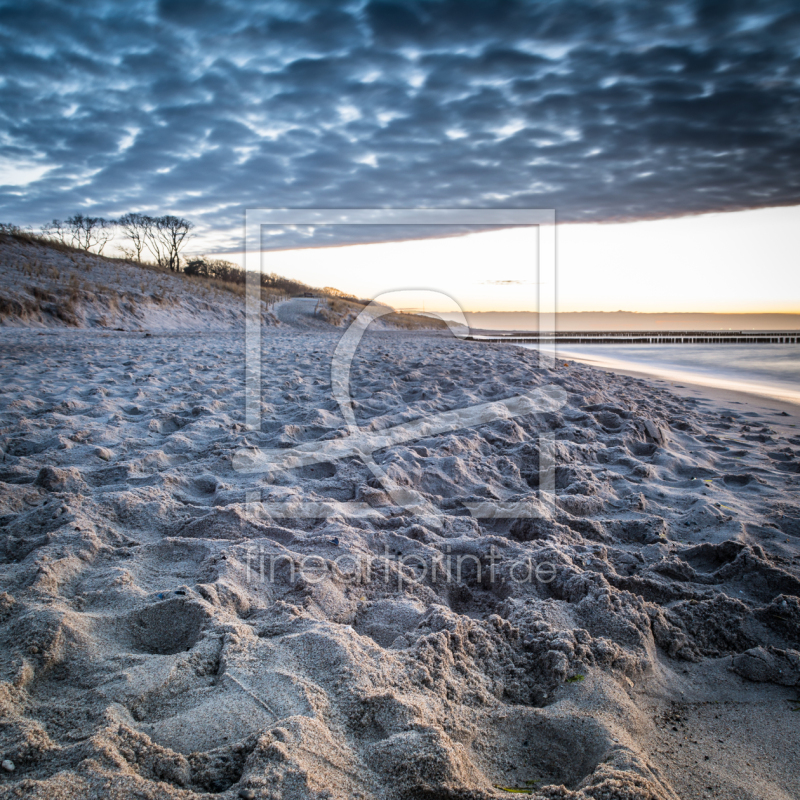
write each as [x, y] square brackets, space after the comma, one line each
[768, 370]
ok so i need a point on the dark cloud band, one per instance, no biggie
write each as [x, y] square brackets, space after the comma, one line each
[603, 110]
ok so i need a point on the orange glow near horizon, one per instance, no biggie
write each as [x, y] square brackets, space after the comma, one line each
[736, 262]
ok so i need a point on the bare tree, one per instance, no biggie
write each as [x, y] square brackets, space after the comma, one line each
[89, 232]
[166, 237]
[55, 229]
[134, 228]
[153, 240]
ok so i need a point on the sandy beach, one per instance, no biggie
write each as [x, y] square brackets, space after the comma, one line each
[399, 400]
[163, 635]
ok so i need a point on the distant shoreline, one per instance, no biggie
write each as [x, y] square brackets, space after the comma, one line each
[628, 321]
[753, 392]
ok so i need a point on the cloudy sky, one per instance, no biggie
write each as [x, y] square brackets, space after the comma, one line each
[602, 110]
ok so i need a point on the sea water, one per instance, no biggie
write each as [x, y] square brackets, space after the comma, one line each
[767, 370]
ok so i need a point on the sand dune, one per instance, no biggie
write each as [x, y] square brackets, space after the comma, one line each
[45, 287]
[164, 636]
[48, 287]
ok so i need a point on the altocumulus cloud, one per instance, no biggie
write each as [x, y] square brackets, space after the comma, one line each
[602, 110]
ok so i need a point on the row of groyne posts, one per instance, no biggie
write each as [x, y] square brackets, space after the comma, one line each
[640, 337]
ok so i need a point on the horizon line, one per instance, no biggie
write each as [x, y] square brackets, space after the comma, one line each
[640, 313]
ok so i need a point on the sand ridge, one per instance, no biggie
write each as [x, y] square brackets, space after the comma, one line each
[44, 287]
[163, 636]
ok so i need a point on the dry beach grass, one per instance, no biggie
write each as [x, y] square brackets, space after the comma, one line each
[50, 285]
